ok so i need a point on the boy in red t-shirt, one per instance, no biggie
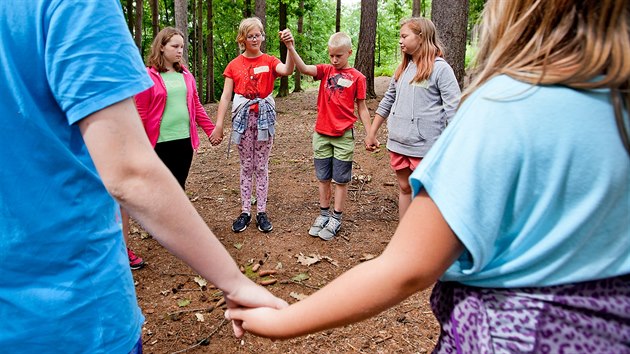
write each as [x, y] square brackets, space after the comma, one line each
[333, 140]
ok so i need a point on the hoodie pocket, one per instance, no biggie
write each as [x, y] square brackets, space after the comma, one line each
[403, 130]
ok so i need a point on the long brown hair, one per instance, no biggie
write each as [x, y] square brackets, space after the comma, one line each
[156, 57]
[430, 48]
[581, 44]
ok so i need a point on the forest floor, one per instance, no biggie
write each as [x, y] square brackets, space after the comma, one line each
[183, 315]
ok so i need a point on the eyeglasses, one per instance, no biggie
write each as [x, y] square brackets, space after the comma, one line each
[255, 37]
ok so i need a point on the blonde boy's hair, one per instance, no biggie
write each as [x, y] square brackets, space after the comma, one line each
[340, 40]
[247, 25]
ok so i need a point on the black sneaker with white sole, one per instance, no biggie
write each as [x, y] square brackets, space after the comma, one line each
[241, 222]
[262, 220]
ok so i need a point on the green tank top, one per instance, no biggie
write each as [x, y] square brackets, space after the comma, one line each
[175, 120]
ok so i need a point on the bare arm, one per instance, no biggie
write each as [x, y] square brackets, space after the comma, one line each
[132, 172]
[287, 68]
[364, 115]
[299, 63]
[370, 140]
[226, 97]
[413, 260]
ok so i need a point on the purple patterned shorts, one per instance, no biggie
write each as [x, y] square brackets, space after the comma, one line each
[589, 317]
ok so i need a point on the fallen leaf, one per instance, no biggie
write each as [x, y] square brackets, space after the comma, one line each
[279, 265]
[183, 302]
[165, 292]
[201, 281]
[298, 296]
[308, 260]
[331, 261]
[300, 277]
[238, 246]
[199, 317]
[367, 257]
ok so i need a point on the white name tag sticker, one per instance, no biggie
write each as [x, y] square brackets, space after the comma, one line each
[344, 82]
[261, 69]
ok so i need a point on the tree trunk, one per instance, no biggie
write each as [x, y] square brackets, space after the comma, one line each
[138, 25]
[415, 11]
[130, 21]
[181, 23]
[247, 11]
[283, 90]
[338, 17]
[166, 8]
[298, 46]
[261, 13]
[155, 14]
[364, 60]
[451, 20]
[199, 47]
[210, 58]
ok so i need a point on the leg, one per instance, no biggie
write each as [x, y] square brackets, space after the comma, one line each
[177, 156]
[246, 154]
[341, 195]
[404, 196]
[262, 150]
[325, 189]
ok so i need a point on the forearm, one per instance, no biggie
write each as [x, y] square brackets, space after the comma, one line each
[376, 124]
[301, 66]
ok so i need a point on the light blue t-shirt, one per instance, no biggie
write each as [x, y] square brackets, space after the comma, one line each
[65, 283]
[534, 181]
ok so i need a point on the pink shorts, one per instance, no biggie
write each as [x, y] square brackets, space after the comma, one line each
[399, 162]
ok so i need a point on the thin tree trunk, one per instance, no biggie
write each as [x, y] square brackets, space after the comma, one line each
[210, 57]
[155, 17]
[247, 11]
[283, 90]
[338, 17]
[181, 22]
[415, 11]
[138, 25]
[166, 16]
[130, 17]
[298, 46]
[364, 60]
[261, 13]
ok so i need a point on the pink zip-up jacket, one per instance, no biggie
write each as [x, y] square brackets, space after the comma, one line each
[151, 103]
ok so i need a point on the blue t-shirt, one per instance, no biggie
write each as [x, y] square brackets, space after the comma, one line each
[534, 181]
[65, 283]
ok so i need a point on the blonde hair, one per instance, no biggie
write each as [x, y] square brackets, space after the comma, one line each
[340, 40]
[156, 57]
[247, 25]
[581, 44]
[429, 46]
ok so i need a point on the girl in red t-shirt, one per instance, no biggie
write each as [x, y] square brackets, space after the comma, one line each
[250, 76]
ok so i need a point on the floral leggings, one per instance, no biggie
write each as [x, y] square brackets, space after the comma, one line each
[254, 156]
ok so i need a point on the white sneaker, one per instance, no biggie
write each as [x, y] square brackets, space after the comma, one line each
[330, 230]
[318, 225]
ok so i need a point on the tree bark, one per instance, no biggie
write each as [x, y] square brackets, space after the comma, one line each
[451, 20]
[130, 21]
[247, 11]
[415, 11]
[261, 13]
[210, 58]
[298, 46]
[155, 14]
[338, 17]
[364, 59]
[199, 47]
[181, 23]
[138, 25]
[283, 90]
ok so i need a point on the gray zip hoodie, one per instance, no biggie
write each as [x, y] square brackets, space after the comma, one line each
[417, 113]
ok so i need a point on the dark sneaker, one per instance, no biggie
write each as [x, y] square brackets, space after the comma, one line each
[330, 230]
[318, 225]
[135, 262]
[240, 224]
[263, 222]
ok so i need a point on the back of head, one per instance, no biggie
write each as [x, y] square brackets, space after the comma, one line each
[429, 46]
[340, 40]
[581, 44]
[555, 42]
[156, 58]
[247, 25]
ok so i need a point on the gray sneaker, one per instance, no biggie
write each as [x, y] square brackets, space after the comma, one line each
[330, 230]
[318, 225]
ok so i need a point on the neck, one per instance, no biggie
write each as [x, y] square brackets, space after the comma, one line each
[252, 54]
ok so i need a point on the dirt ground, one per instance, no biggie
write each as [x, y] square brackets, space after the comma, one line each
[183, 315]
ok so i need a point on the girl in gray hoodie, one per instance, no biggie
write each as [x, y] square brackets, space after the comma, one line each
[421, 99]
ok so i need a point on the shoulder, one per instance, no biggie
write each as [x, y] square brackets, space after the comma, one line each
[357, 74]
